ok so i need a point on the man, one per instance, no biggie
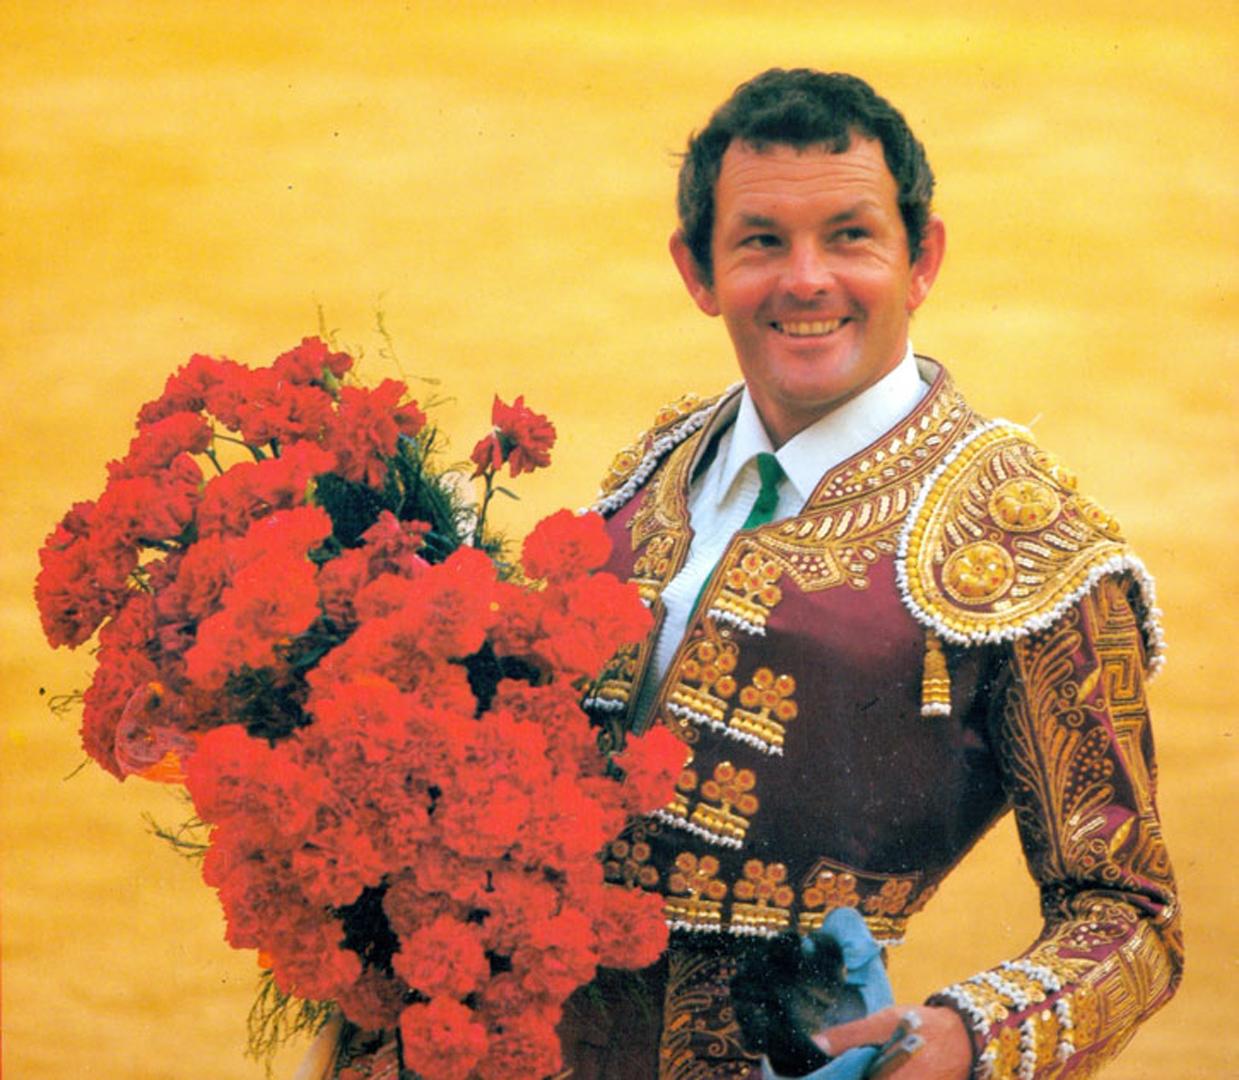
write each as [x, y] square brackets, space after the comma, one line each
[881, 622]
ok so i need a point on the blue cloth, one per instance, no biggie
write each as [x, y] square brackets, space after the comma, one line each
[865, 971]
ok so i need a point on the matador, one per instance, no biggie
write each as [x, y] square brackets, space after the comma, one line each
[882, 621]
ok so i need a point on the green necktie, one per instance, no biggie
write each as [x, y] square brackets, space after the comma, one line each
[771, 473]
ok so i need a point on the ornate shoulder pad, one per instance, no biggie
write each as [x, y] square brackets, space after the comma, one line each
[999, 544]
[633, 465]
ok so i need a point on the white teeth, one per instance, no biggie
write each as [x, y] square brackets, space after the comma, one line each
[806, 329]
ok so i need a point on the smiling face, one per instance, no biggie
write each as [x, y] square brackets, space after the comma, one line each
[811, 275]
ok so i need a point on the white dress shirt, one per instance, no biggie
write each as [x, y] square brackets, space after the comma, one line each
[721, 497]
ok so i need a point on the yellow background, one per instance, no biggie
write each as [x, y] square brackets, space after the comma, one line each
[497, 179]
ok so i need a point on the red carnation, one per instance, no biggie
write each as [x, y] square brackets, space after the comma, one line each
[374, 1001]
[392, 545]
[443, 1039]
[339, 582]
[71, 602]
[364, 430]
[521, 437]
[445, 957]
[311, 362]
[269, 602]
[250, 489]
[651, 765]
[565, 545]
[191, 388]
[629, 925]
[584, 621]
[529, 1046]
[157, 444]
[278, 410]
[201, 575]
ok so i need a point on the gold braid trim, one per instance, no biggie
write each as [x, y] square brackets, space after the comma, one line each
[633, 465]
[999, 545]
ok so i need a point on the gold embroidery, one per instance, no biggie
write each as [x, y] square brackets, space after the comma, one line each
[1047, 463]
[1045, 1027]
[850, 522]
[653, 565]
[677, 808]
[700, 1036]
[1072, 748]
[695, 892]
[704, 685]
[1006, 1054]
[748, 592]
[978, 573]
[853, 518]
[831, 890]
[907, 452]
[886, 900]
[999, 544]
[703, 895]
[727, 802]
[682, 406]
[1098, 517]
[764, 899]
[1024, 505]
[631, 457]
[1086, 1015]
[935, 679]
[1059, 764]
[613, 687]
[664, 510]
[766, 708]
[622, 466]
[891, 899]
[627, 861]
[838, 545]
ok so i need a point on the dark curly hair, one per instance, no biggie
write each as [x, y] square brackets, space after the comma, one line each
[801, 108]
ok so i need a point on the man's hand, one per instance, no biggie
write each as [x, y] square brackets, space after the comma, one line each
[946, 1055]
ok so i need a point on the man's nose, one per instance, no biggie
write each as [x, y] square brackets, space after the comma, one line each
[809, 271]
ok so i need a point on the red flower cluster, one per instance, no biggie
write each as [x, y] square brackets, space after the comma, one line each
[187, 581]
[406, 800]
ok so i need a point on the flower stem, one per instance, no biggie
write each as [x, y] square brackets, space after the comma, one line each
[255, 450]
[489, 477]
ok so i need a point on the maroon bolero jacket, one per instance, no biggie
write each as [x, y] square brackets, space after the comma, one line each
[946, 631]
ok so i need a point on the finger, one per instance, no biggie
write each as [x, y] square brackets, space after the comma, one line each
[870, 1030]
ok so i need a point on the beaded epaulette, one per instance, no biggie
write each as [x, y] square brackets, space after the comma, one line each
[999, 544]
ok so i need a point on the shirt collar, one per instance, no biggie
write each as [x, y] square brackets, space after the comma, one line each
[834, 438]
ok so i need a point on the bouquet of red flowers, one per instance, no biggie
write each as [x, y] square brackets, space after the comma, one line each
[375, 715]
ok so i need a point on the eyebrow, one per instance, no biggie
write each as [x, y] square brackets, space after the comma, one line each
[761, 221]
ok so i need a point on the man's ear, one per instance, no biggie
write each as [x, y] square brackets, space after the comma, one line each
[686, 263]
[925, 269]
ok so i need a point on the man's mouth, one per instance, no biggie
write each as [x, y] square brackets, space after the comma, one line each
[809, 328]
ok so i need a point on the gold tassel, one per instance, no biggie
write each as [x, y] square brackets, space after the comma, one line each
[936, 679]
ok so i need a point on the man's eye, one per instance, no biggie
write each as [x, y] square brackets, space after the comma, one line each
[851, 234]
[760, 240]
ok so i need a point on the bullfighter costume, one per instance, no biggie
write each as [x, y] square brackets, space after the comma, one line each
[946, 630]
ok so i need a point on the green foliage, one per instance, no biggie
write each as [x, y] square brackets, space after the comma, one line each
[189, 838]
[275, 1017]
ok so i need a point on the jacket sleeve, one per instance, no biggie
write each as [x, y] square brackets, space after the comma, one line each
[1073, 739]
